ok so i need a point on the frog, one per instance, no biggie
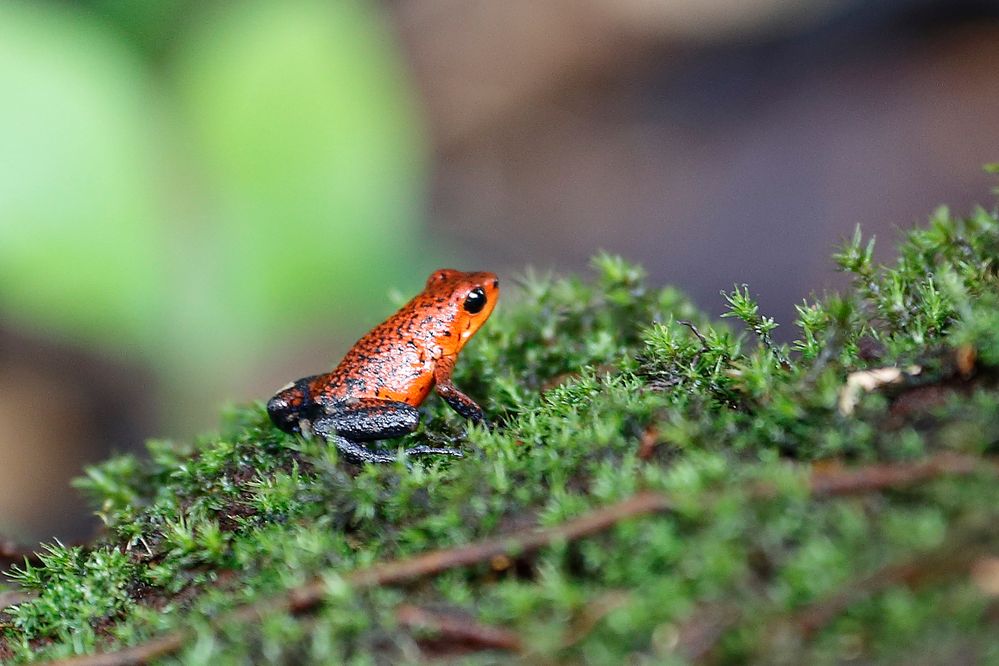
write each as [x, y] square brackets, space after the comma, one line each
[374, 392]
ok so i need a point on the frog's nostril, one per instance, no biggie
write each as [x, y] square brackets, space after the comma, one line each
[495, 284]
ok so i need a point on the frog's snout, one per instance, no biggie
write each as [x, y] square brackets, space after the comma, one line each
[289, 405]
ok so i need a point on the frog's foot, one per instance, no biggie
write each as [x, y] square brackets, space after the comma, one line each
[358, 453]
[486, 423]
[423, 450]
[441, 438]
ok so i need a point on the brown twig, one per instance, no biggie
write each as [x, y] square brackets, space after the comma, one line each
[701, 635]
[944, 562]
[457, 629]
[518, 543]
[311, 594]
[592, 615]
[693, 329]
[894, 475]
[698, 637]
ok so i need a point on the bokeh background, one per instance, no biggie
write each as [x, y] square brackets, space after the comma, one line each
[200, 201]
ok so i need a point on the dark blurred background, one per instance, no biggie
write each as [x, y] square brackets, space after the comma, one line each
[200, 201]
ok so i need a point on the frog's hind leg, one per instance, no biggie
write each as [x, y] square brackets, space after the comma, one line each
[358, 453]
[369, 419]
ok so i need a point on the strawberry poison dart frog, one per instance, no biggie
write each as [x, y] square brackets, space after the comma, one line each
[374, 392]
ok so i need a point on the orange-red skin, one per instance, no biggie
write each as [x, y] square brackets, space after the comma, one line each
[403, 357]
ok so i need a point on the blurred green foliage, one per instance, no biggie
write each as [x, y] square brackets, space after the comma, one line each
[82, 219]
[189, 183]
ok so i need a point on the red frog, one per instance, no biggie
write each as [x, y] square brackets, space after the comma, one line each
[374, 392]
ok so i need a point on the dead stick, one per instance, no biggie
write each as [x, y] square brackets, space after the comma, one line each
[592, 615]
[894, 475]
[458, 629]
[944, 562]
[311, 594]
[700, 634]
[518, 543]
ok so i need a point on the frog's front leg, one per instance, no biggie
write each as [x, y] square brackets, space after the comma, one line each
[450, 393]
[369, 419]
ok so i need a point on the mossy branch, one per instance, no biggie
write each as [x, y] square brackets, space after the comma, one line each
[308, 596]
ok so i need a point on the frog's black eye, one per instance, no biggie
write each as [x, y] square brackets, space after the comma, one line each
[475, 301]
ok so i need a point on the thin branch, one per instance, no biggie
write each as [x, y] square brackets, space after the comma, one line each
[513, 545]
[941, 563]
[693, 329]
[701, 635]
[457, 629]
[895, 475]
[592, 615]
[698, 637]
[311, 594]
[700, 336]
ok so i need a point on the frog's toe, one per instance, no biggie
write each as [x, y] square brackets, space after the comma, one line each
[423, 450]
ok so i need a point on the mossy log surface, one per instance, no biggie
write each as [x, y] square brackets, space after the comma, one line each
[657, 487]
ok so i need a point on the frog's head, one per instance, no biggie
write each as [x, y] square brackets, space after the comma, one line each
[291, 407]
[467, 298]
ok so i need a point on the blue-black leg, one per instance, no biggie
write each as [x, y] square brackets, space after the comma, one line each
[366, 419]
[358, 453]
[369, 419]
[450, 393]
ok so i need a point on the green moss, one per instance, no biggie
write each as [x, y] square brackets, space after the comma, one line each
[574, 375]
